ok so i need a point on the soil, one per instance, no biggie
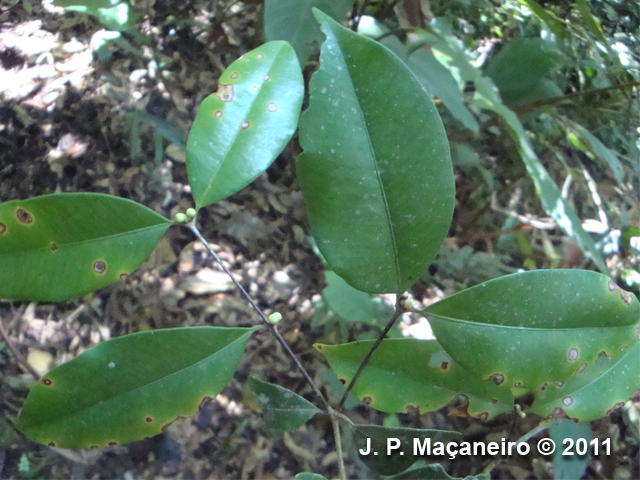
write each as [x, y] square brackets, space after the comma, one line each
[76, 116]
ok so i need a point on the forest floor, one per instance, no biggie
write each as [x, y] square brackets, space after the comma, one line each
[78, 115]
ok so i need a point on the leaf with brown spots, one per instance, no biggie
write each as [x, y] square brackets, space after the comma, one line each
[407, 373]
[65, 245]
[534, 328]
[128, 388]
[241, 129]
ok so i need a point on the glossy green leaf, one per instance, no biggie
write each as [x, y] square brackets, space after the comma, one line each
[570, 467]
[413, 373]
[453, 53]
[593, 393]
[292, 21]
[281, 408]
[129, 388]
[595, 148]
[376, 171]
[433, 76]
[240, 130]
[55, 247]
[389, 451]
[534, 328]
[522, 70]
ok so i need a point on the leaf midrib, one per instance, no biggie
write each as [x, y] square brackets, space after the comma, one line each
[394, 245]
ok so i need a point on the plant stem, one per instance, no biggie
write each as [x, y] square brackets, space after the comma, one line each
[399, 311]
[264, 319]
[336, 435]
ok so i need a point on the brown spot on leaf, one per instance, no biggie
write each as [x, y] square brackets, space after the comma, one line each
[272, 107]
[24, 216]
[560, 384]
[581, 368]
[319, 347]
[497, 378]
[244, 125]
[567, 401]
[260, 56]
[483, 416]
[367, 400]
[47, 382]
[612, 285]
[54, 247]
[235, 75]
[3, 228]
[217, 114]
[123, 276]
[517, 384]
[52, 444]
[266, 78]
[148, 419]
[343, 381]
[99, 266]
[255, 88]
[494, 400]
[225, 93]
[558, 413]
[573, 354]
[113, 442]
[444, 365]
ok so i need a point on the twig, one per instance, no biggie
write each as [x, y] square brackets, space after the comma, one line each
[336, 435]
[399, 311]
[19, 357]
[264, 319]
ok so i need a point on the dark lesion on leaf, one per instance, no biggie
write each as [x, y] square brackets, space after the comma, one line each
[23, 216]
[3, 228]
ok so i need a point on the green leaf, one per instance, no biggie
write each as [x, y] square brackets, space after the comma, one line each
[114, 14]
[521, 70]
[532, 329]
[553, 22]
[309, 476]
[281, 408]
[353, 305]
[605, 385]
[59, 246]
[391, 450]
[413, 373]
[433, 76]
[570, 467]
[240, 130]
[292, 20]
[595, 148]
[131, 387]
[378, 181]
[487, 97]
